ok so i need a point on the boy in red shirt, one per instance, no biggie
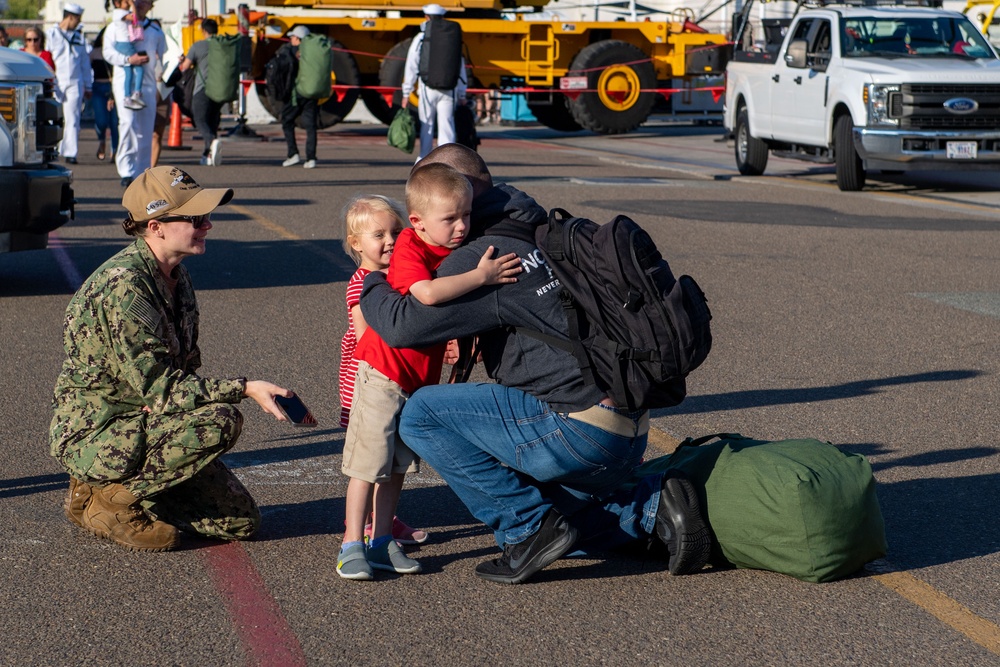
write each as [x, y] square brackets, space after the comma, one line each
[439, 200]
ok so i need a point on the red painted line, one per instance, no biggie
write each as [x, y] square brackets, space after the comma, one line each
[263, 630]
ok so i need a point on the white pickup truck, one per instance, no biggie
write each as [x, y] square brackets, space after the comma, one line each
[35, 195]
[866, 87]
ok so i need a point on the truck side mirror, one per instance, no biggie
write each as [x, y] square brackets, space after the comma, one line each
[796, 54]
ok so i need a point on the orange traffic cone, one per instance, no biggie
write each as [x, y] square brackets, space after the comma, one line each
[176, 137]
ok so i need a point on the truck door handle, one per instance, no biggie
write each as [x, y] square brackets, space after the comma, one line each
[798, 80]
[775, 78]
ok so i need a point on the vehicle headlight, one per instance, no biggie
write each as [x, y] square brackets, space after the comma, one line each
[880, 100]
[19, 109]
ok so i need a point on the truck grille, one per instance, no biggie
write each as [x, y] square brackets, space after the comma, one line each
[920, 106]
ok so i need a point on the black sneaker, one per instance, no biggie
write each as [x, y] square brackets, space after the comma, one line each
[679, 525]
[520, 561]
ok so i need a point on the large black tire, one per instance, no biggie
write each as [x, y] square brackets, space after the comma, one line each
[618, 72]
[850, 168]
[333, 110]
[751, 152]
[555, 114]
[390, 75]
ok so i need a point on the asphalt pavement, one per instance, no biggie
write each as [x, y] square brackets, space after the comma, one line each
[869, 320]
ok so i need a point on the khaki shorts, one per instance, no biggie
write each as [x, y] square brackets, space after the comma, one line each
[373, 450]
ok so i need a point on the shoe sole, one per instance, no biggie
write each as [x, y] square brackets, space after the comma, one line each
[357, 576]
[552, 553]
[392, 568]
[131, 547]
[693, 540]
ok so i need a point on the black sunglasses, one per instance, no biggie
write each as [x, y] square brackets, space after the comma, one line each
[197, 221]
[32, 39]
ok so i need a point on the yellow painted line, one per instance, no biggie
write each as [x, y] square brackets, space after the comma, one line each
[338, 259]
[267, 224]
[946, 610]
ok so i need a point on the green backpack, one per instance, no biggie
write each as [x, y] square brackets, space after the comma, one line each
[222, 84]
[315, 78]
[798, 507]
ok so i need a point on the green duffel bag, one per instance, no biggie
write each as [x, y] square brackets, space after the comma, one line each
[315, 78]
[798, 507]
[402, 132]
[222, 83]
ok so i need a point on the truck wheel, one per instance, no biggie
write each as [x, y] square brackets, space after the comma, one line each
[345, 73]
[555, 114]
[332, 110]
[390, 75]
[751, 152]
[850, 169]
[618, 73]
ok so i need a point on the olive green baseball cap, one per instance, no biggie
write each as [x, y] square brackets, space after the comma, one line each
[164, 191]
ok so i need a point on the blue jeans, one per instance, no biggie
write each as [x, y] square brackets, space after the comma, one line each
[510, 459]
[104, 120]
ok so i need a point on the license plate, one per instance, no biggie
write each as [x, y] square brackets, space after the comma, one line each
[573, 83]
[961, 150]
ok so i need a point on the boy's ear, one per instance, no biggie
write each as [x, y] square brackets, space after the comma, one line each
[416, 222]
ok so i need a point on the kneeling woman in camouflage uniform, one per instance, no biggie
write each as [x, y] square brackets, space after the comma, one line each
[137, 429]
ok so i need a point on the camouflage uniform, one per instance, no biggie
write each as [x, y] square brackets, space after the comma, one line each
[132, 342]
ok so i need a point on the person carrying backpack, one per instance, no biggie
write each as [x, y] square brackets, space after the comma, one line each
[205, 112]
[542, 456]
[436, 68]
[313, 82]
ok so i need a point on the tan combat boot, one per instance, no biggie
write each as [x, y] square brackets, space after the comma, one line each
[115, 514]
[76, 500]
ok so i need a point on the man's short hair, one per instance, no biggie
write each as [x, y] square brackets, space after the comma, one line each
[210, 26]
[467, 161]
[431, 182]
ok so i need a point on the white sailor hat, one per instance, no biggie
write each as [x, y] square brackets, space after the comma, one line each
[434, 10]
[73, 8]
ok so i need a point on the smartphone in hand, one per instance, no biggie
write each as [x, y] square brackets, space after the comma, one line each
[295, 411]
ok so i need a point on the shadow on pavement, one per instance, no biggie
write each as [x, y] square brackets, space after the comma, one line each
[755, 398]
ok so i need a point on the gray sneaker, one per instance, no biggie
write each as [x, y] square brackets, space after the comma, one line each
[295, 159]
[352, 564]
[391, 558]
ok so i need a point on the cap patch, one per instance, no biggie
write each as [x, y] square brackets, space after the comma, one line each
[156, 205]
[181, 178]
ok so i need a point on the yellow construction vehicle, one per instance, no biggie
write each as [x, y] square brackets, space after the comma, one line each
[603, 76]
[985, 14]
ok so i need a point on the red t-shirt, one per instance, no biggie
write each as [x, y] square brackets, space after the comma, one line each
[412, 260]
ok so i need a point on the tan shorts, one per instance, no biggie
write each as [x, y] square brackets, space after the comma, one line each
[373, 450]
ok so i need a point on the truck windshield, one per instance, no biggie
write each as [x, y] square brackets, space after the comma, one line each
[913, 37]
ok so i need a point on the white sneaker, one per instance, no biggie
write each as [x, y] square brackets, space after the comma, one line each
[310, 164]
[215, 153]
[206, 161]
[292, 160]
[130, 103]
[137, 100]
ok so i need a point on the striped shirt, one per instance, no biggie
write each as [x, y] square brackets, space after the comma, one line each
[348, 364]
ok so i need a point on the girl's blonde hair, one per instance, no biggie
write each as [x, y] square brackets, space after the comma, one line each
[359, 215]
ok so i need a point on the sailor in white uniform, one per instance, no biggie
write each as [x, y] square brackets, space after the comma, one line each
[74, 75]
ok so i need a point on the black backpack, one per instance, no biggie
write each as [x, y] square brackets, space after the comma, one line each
[440, 62]
[279, 75]
[635, 330]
